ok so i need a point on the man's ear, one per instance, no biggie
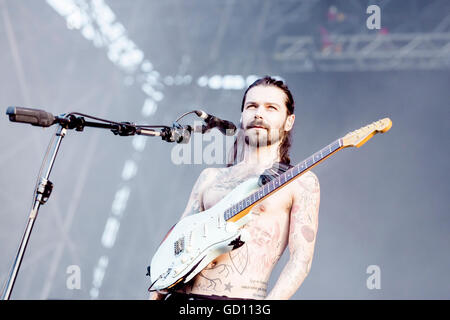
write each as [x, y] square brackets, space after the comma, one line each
[289, 122]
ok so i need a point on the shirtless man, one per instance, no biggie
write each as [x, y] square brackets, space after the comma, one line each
[287, 218]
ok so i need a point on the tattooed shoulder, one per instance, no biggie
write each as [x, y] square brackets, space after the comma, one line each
[305, 202]
[309, 181]
[210, 173]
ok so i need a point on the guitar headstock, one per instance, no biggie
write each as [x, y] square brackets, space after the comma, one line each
[358, 137]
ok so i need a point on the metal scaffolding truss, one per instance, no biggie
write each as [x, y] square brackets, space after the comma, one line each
[417, 37]
[365, 52]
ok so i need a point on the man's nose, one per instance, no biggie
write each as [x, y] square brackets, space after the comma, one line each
[259, 112]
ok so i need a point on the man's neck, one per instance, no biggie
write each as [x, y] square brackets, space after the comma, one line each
[260, 157]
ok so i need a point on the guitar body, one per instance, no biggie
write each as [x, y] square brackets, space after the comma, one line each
[198, 239]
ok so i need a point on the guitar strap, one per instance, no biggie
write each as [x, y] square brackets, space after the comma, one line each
[271, 173]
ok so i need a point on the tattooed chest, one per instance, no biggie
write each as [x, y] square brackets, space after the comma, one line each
[221, 187]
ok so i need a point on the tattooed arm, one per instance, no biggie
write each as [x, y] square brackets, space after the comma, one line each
[194, 205]
[302, 237]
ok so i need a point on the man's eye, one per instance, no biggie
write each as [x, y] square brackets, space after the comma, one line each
[250, 106]
[272, 107]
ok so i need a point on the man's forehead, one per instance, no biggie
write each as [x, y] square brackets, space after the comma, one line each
[266, 94]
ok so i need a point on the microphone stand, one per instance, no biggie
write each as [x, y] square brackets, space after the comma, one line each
[41, 195]
[44, 187]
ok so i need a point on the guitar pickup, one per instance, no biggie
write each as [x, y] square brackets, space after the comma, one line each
[178, 246]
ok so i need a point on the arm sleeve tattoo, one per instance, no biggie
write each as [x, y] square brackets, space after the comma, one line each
[302, 236]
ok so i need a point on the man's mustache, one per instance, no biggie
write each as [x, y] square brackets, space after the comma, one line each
[259, 123]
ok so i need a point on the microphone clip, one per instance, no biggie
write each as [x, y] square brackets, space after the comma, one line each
[178, 133]
[71, 122]
[125, 129]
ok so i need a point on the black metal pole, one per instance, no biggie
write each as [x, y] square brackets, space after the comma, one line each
[41, 195]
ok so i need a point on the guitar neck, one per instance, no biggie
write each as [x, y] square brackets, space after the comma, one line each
[241, 208]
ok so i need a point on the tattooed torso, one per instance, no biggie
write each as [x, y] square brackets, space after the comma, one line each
[245, 272]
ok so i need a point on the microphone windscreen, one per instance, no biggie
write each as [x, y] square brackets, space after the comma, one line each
[34, 117]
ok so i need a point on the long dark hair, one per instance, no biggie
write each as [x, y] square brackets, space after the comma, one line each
[290, 105]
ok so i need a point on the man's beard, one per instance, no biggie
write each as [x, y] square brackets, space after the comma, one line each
[263, 137]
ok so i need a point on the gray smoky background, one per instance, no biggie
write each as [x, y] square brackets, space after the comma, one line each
[385, 204]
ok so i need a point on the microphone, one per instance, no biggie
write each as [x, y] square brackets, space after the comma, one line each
[35, 117]
[224, 126]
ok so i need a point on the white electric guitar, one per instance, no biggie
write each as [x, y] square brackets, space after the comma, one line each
[198, 239]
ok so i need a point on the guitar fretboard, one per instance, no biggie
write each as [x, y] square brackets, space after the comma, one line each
[282, 179]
